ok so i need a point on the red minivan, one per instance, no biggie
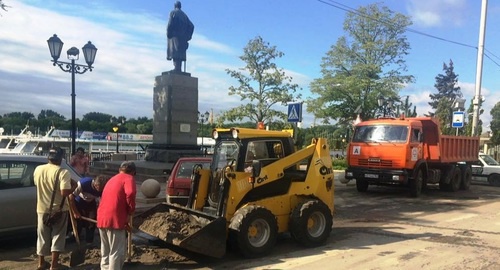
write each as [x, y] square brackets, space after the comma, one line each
[179, 181]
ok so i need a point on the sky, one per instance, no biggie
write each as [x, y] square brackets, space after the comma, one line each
[131, 40]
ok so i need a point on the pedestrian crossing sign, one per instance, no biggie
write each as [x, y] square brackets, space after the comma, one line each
[295, 112]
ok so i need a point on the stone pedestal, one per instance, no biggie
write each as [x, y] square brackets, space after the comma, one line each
[175, 118]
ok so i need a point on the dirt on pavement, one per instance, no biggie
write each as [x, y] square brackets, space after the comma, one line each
[380, 229]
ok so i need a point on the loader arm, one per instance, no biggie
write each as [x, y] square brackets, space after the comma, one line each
[276, 170]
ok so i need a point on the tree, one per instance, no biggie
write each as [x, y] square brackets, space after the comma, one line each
[3, 5]
[470, 114]
[495, 124]
[365, 63]
[444, 100]
[14, 122]
[49, 118]
[261, 85]
[406, 108]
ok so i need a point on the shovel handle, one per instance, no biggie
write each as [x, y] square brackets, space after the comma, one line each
[88, 219]
[73, 224]
[129, 240]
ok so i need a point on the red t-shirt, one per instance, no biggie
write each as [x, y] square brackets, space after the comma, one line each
[117, 202]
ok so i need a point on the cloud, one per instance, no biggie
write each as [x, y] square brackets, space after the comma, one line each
[419, 96]
[431, 13]
[131, 53]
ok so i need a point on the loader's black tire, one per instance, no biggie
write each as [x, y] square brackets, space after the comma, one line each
[455, 179]
[466, 177]
[311, 223]
[254, 229]
[362, 185]
[416, 184]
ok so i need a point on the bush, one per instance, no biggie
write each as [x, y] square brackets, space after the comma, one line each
[339, 164]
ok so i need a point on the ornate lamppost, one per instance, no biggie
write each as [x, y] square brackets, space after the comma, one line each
[89, 52]
[203, 118]
[385, 106]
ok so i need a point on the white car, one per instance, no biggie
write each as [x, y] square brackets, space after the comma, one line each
[18, 193]
[486, 170]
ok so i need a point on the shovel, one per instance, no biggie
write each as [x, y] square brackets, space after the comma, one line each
[76, 256]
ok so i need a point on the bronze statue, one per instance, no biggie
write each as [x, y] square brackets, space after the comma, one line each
[179, 32]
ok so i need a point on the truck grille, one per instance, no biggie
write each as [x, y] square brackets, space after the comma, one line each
[375, 164]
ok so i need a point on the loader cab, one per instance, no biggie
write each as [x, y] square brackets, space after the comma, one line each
[238, 150]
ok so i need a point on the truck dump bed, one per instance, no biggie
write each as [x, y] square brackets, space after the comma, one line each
[446, 148]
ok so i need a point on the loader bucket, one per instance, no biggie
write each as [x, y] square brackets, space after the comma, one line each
[185, 228]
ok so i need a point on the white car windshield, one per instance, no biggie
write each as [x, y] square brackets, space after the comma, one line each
[489, 160]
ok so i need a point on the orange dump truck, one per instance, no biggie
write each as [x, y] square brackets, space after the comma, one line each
[409, 152]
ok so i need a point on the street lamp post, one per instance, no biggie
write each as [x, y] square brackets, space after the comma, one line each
[203, 118]
[89, 52]
[115, 129]
[385, 105]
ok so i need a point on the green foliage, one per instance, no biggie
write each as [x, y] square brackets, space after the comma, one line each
[470, 114]
[339, 164]
[405, 108]
[14, 122]
[261, 85]
[495, 124]
[367, 62]
[447, 94]
[3, 6]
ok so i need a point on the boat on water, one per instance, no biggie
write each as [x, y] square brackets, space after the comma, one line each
[94, 143]
[9, 142]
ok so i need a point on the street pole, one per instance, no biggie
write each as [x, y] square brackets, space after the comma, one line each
[89, 52]
[73, 109]
[116, 129]
[479, 69]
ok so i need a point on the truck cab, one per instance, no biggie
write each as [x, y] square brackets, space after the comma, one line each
[486, 170]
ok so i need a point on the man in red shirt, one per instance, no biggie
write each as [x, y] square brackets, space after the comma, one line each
[116, 206]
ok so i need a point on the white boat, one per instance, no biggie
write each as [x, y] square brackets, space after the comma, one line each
[8, 143]
[94, 143]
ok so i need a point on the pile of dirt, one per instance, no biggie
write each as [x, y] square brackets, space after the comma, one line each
[170, 226]
[140, 253]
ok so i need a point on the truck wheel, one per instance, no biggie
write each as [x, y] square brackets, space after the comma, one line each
[255, 230]
[456, 179]
[362, 185]
[466, 177]
[494, 179]
[416, 184]
[311, 223]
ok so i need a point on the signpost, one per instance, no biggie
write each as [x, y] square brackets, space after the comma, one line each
[295, 112]
[458, 120]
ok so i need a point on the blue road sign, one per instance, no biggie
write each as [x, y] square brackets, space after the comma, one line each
[458, 120]
[295, 112]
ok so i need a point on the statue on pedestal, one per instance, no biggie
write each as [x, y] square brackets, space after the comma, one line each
[179, 32]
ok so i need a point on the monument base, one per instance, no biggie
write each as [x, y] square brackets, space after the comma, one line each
[171, 153]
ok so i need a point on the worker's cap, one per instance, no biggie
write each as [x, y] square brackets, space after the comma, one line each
[128, 166]
[56, 154]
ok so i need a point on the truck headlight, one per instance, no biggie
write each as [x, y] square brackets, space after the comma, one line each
[349, 174]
